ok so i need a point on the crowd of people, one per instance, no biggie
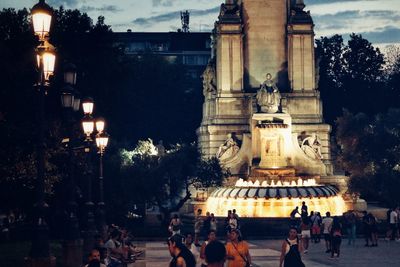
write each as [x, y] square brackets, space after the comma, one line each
[117, 250]
[204, 249]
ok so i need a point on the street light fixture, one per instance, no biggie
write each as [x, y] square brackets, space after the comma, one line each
[70, 74]
[88, 106]
[45, 55]
[41, 18]
[72, 252]
[100, 124]
[102, 139]
[68, 97]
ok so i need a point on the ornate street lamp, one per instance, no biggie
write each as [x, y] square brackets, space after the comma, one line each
[88, 125]
[45, 55]
[102, 139]
[70, 74]
[72, 250]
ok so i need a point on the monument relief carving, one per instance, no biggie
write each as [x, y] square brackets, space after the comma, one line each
[311, 146]
[268, 97]
[229, 148]
[209, 79]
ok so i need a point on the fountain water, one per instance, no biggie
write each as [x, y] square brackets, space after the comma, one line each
[275, 199]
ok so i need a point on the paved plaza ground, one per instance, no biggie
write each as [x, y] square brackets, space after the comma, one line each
[265, 253]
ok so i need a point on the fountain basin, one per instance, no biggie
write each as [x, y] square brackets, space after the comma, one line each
[275, 201]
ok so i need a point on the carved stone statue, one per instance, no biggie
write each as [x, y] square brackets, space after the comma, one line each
[268, 97]
[312, 147]
[209, 79]
[228, 149]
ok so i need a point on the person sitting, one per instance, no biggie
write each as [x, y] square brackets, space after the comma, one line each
[94, 259]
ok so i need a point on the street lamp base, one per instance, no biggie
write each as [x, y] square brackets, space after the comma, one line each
[72, 253]
[40, 262]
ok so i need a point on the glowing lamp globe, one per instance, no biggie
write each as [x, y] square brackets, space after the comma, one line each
[41, 19]
[100, 124]
[88, 106]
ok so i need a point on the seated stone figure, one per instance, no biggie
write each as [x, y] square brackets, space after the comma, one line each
[228, 149]
[312, 147]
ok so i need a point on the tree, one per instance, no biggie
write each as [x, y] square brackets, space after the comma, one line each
[164, 179]
[331, 67]
[351, 76]
[370, 147]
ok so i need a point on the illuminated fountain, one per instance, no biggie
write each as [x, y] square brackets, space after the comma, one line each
[263, 117]
[275, 199]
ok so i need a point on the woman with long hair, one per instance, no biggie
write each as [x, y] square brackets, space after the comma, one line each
[291, 250]
[237, 250]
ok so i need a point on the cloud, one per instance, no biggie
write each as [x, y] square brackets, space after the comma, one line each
[322, 2]
[162, 3]
[104, 8]
[65, 3]
[340, 21]
[172, 16]
[388, 34]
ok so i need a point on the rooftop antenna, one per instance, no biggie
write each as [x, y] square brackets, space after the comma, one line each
[185, 19]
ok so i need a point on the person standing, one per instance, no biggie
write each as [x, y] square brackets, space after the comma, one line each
[236, 216]
[293, 220]
[206, 225]
[175, 225]
[373, 229]
[210, 238]
[393, 221]
[336, 237]
[181, 255]
[215, 254]
[237, 250]
[351, 221]
[213, 223]
[189, 244]
[197, 227]
[304, 210]
[305, 228]
[326, 226]
[366, 228]
[291, 251]
[316, 220]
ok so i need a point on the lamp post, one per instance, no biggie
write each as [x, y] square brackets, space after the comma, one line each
[70, 100]
[102, 139]
[88, 125]
[45, 55]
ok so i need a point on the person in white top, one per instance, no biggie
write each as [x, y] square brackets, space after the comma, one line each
[326, 226]
[393, 224]
[189, 244]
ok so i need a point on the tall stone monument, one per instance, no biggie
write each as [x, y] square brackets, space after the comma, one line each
[261, 95]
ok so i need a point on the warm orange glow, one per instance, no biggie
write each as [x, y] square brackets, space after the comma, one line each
[274, 208]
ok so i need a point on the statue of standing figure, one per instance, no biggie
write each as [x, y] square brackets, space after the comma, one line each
[268, 97]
